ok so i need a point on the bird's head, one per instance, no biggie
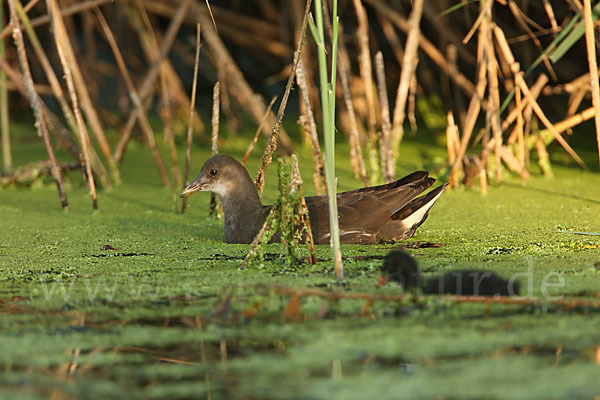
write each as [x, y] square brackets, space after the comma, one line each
[402, 268]
[220, 174]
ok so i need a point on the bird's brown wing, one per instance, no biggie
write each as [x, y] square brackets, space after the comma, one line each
[363, 212]
[390, 197]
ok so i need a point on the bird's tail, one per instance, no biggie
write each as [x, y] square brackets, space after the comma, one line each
[414, 213]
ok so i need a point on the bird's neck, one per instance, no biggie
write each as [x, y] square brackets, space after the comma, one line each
[241, 200]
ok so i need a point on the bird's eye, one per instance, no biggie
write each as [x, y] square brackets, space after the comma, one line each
[213, 172]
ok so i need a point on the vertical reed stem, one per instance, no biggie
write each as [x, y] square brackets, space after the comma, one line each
[188, 149]
[310, 127]
[593, 66]
[328, 107]
[215, 140]
[409, 66]
[386, 152]
[60, 37]
[4, 119]
[35, 102]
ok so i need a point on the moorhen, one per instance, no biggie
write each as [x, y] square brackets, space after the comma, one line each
[369, 215]
[401, 267]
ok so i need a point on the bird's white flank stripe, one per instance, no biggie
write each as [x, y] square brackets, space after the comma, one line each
[418, 215]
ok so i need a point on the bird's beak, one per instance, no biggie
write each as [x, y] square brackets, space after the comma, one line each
[191, 188]
[382, 281]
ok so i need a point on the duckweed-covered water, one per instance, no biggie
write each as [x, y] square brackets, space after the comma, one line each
[168, 313]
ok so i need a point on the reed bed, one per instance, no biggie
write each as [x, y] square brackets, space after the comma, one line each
[507, 75]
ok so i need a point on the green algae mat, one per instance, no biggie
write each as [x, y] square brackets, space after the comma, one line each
[136, 300]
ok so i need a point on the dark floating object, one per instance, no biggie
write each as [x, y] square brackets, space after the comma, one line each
[118, 255]
[108, 247]
[369, 215]
[402, 268]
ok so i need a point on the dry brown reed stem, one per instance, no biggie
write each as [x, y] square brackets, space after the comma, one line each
[520, 17]
[386, 148]
[147, 86]
[167, 116]
[308, 53]
[504, 72]
[257, 42]
[233, 120]
[296, 182]
[60, 38]
[5, 30]
[90, 53]
[190, 128]
[459, 101]
[519, 81]
[452, 144]
[550, 12]
[392, 37]
[57, 129]
[76, 8]
[350, 125]
[40, 88]
[570, 87]
[525, 108]
[591, 52]
[474, 28]
[149, 41]
[483, 175]
[535, 91]
[519, 128]
[411, 107]
[540, 113]
[259, 182]
[214, 139]
[310, 129]
[472, 112]
[573, 120]
[35, 102]
[446, 27]
[513, 163]
[250, 33]
[46, 66]
[256, 242]
[365, 69]
[256, 26]
[428, 48]
[258, 131]
[57, 92]
[543, 157]
[409, 67]
[577, 4]
[576, 98]
[84, 97]
[4, 116]
[356, 154]
[486, 28]
[32, 172]
[135, 98]
[242, 90]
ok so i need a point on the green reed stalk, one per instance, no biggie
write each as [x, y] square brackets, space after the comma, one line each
[328, 106]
